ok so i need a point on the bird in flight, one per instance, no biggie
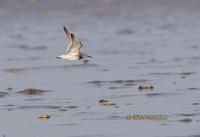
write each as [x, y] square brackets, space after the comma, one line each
[73, 48]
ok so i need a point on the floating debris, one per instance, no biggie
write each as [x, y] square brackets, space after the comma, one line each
[63, 109]
[66, 108]
[44, 117]
[145, 87]
[32, 91]
[103, 100]
[14, 70]
[106, 102]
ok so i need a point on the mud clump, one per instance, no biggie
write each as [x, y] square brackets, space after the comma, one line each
[145, 87]
[105, 102]
[32, 91]
[44, 117]
[15, 70]
[67, 108]
[62, 109]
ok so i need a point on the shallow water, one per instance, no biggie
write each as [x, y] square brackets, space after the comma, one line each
[133, 43]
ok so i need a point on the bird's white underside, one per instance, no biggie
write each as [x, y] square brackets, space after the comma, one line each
[69, 57]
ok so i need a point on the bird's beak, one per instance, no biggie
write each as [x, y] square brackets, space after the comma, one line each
[58, 57]
[90, 56]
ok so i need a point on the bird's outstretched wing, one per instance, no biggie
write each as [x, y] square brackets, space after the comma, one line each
[69, 42]
[76, 45]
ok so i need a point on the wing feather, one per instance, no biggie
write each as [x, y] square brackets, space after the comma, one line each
[76, 45]
[69, 42]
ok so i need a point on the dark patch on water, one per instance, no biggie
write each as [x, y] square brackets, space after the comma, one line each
[28, 48]
[170, 27]
[34, 58]
[3, 94]
[97, 83]
[17, 36]
[159, 94]
[126, 81]
[9, 89]
[32, 91]
[34, 99]
[194, 136]
[85, 61]
[125, 31]
[187, 73]
[9, 105]
[197, 89]
[189, 89]
[117, 87]
[195, 58]
[45, 107]
[39, 107]
[189, 114]
[171, 73]
[112, 84]
[186, 120]
[130, 84]
[195, 104]
[22, 59]
[71, 107]
[105, 70]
